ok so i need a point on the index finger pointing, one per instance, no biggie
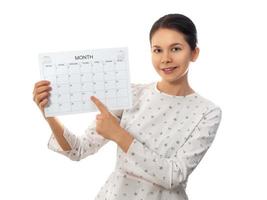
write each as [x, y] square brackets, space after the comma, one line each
[101, 107]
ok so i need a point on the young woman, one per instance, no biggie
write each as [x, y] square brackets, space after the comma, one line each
[165, 134]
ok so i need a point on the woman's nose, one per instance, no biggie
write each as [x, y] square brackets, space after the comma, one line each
[166, 58]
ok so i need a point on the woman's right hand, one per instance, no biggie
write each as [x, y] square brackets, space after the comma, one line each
[41, 92]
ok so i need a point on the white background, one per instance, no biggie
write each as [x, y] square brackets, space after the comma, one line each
[230, 71]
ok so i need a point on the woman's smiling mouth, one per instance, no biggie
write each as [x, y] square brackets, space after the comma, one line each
[168, 70]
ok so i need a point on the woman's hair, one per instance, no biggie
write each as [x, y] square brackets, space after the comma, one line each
[180, 23]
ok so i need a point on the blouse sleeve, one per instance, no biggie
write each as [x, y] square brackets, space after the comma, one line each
[171, 172]
[83, 145]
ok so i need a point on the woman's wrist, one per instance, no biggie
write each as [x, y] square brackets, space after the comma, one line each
[50, 120]
[124, 139]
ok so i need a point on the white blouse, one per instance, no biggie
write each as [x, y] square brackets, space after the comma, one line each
[172, 134]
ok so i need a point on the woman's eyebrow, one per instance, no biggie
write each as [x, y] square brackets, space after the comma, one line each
[174, 44]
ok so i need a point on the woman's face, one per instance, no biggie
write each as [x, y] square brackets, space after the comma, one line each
[171, 54]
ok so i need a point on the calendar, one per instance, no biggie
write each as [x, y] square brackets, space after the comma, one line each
[77, 75]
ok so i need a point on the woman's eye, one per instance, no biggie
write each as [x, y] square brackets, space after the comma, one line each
[176, 49]
[156, 50]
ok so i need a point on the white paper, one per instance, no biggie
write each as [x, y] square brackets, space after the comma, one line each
[77, 75]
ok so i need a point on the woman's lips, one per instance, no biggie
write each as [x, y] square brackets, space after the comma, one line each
[168, 70]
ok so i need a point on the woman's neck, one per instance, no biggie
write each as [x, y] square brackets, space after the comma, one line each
[179, 88]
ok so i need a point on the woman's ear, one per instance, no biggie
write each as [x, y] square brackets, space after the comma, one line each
[195, 54]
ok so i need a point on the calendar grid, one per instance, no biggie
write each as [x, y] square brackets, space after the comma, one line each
[105, 75]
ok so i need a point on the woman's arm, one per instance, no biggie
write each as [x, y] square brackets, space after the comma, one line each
[171, 172]
[41, 93]
[58, 130]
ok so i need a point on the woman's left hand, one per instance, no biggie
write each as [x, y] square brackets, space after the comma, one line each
[106, 125]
